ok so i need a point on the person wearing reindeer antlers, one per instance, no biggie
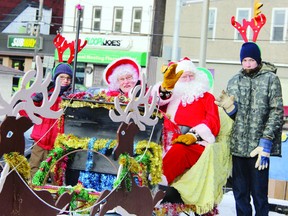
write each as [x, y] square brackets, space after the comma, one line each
[191, 118]
[44, 134]
[253, 99]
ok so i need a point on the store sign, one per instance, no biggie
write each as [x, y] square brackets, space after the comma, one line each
[109, 42]
[23, 42]
[105, 56]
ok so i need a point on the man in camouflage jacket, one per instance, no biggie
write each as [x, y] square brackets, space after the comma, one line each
[254, 101]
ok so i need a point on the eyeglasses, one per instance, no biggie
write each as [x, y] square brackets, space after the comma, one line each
[186, 76]
[128, 78]
[68, 78]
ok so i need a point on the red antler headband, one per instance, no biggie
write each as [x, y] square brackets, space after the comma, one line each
[61, 45]
[256, 23]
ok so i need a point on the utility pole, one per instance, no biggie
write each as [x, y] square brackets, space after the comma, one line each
[37, 25]
[204, 29]
[79, 15]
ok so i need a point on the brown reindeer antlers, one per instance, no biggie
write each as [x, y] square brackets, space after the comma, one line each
[61, 45]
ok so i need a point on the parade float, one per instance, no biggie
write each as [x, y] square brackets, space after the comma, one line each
[109, 156]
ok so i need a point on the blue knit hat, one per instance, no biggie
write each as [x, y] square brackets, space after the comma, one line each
[251, 50]
[62, 68]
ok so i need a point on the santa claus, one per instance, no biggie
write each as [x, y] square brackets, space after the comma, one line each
[193, 117]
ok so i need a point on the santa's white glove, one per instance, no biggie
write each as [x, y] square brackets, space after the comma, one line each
[226, 102]
[263, 151]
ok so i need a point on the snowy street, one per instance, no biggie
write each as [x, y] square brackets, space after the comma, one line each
[227, 206]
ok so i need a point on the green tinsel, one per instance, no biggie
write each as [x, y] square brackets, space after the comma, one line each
[44, 168]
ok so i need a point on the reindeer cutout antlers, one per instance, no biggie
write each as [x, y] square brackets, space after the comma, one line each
[61, 45]
[256, 23]
[22, 99]
[132, 109]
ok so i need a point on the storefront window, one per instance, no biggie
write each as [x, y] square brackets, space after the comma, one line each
[80, 73]
[18, 63]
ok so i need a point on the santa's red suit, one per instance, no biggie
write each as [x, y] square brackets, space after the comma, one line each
[201, 115]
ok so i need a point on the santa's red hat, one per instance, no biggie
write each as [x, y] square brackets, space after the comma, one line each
[116, 64]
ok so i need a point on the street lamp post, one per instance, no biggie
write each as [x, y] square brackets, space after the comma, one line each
[176, 30]
[38, 20]
[204, 30]
[79, 14]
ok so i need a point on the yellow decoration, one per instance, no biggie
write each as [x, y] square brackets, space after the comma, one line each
[71, 141]
[154, 151]
[284, 137]
[80, 104]
[19, 162]
[257, 6]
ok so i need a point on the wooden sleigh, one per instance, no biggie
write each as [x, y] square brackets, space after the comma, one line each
[203, 194]
[17, 195]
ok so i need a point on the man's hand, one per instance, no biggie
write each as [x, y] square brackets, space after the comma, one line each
[187, 139]
[263, 151]
[170, 77]
[226, 102]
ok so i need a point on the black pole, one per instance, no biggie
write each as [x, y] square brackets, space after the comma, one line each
[79, 7]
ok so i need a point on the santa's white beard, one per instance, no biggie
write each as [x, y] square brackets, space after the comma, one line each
[190, 91]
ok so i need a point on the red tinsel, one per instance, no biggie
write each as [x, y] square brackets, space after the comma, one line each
[59, 171]
[170, 132]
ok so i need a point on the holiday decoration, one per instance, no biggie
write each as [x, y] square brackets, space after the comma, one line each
[76, 199]
[16, 195]
[62, 45]
[256, 23]
[139, 163]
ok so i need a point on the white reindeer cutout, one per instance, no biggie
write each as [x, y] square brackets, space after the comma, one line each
[132, 109]
[13, 126]
[22, 99]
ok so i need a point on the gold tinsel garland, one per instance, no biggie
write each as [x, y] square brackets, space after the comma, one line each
[82, 103]
[19, 162]
[153, 151]
[74, 142]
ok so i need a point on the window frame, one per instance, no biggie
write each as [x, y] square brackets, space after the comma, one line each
[117, 20]
[135, 21]
[284, 32]
[237, 35]
[98, 20]
[212, 24]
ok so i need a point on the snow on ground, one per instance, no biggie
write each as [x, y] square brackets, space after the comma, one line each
[227, 205]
